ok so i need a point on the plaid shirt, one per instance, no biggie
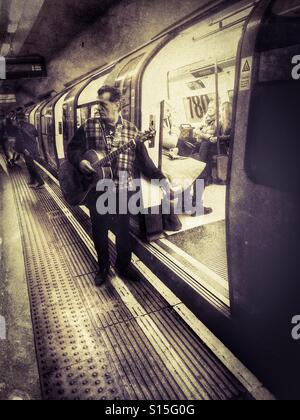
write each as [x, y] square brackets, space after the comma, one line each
[90, 136]
[120, 136]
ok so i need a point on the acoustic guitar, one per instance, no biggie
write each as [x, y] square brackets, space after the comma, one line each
[76, 186]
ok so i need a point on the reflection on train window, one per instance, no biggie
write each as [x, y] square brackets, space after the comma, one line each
[87, 104]
[79, 122]
[84, 114]
[290, 8]
[48, 137]
[273, 141]
[60, 125]
[189, 87]
[124, 83]
[95, 113]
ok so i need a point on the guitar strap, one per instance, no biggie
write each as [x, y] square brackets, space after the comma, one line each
[104, 137]
[105, 140]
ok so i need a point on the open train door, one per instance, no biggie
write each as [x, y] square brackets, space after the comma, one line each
[263, 198]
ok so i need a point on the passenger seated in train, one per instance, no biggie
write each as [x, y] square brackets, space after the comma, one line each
[105, 135]
[207, 141]
[225, 127]
[7, 138]
[181, 171]
[26, 144]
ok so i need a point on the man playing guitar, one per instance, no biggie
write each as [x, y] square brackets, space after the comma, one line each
[105, 134]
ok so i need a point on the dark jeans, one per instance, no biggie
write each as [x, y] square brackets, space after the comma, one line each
[206, 152]
[32, 170]
[119, 224]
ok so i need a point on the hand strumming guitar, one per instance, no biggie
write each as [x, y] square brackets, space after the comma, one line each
[86, 167]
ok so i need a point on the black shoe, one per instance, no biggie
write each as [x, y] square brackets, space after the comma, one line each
[129, 274]
[171, 223]
[209, 181]
[207, 210]
[101, 277]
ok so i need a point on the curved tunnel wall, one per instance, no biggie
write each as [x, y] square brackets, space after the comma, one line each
[125, 27]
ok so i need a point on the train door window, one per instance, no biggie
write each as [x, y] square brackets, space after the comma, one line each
[94, 111]
[273, 146]
[88, 99]
[85, 113]
[124, 82]
[289, 8]
[37, 120]
[48, 137]
[68, 122]
[58, 112]
[79, 122]
[32, 115]
[189, 86]
[70, 111]
[51, 140]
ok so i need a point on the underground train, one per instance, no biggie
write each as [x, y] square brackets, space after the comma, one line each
[237, 267]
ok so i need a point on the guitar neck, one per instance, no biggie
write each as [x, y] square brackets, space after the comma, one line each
[113, 155]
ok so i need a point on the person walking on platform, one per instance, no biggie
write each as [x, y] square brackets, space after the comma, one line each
[3, 136]
[26, 144]
[104, 134]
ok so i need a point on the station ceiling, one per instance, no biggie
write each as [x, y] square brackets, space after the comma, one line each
[45, 26]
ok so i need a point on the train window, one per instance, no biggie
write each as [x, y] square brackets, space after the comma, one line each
[95, 111]
[124, 83]
[280, 29]
[84, 113]
[189, 87]
[49, 141]
[59, 127]
[273, 146]
[89, 95]
[79, 122]
[32, 114]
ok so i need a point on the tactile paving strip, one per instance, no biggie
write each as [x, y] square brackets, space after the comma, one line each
[121, 341]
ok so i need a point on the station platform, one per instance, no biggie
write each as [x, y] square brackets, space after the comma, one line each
[123, 341]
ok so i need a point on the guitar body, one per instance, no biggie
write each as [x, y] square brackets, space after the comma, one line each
[75, 185]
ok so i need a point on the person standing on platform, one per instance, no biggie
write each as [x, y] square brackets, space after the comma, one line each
[105, 133]
[3, 136]
[26, 144]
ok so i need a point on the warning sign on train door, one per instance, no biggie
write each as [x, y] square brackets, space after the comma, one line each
[246, 70]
